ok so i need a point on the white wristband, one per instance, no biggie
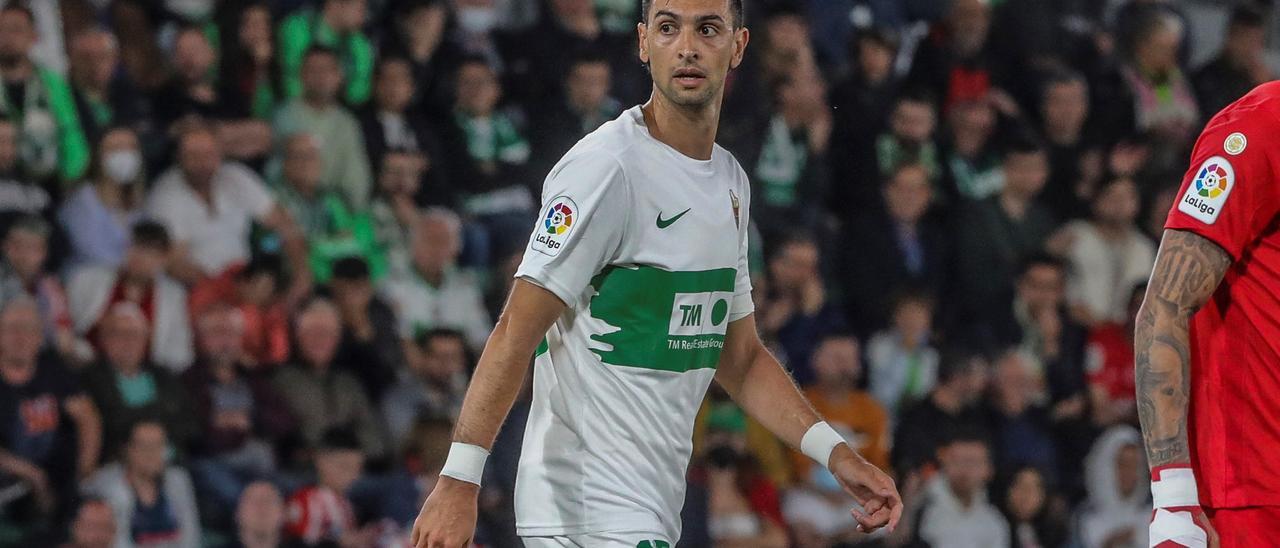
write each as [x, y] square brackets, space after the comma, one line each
[465, 462]
[1174, 488]
[819, 441]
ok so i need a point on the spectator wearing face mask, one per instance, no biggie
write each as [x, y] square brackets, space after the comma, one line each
[98, 217]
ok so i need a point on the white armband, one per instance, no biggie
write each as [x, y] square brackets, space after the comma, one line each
[465, 462]
[819, 441]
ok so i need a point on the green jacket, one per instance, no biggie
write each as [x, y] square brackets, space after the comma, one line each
[62, 147]
[300, 31]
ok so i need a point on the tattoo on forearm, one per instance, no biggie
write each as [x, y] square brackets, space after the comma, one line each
[1187, 271]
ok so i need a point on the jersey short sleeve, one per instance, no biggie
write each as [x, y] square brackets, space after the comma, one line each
[1228, 194]
[585, 206]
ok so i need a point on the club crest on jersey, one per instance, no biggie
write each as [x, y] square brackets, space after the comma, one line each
[1235, 143]
[733, 201]
[1207, 193]
[557, 224]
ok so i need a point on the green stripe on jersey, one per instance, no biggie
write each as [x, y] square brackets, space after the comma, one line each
[543, 347]
[668, 321]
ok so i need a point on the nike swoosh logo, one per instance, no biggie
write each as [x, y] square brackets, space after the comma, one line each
[664, 223]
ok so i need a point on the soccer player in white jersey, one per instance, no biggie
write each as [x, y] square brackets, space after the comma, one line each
[633, 296]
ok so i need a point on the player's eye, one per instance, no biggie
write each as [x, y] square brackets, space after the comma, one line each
[709, 30]
[666, 28]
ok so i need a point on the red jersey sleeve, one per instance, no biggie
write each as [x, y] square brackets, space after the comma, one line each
[1229, 193]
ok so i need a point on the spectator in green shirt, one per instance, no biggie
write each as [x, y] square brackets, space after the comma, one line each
[337, 25]
[40, 103]
[333, 229]
[318, 112]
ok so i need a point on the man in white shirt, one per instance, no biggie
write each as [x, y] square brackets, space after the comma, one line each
[634, 291]
[209, 207]
[435, 292]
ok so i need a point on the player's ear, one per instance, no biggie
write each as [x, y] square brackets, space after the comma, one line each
[740, 39]
[642, 32]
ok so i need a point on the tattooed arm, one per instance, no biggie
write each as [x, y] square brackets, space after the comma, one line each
[1188, 270]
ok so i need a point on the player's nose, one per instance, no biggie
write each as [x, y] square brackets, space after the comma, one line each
[688, 47]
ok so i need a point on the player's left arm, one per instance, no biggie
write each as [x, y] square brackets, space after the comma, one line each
[755, 379]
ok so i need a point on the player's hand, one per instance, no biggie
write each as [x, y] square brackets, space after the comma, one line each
[1182, 527]
[872, 488]
[448, 517]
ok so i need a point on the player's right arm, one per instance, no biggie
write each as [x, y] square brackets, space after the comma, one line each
[448, 517]
[1188, 269]
[586, 205]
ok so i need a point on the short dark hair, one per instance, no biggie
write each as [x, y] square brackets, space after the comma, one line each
[1248, 16]
[785, 241]
[735, 6]
[1040, 259]
[916, 95]
[338, 438]
[152, 235]
[910, 293]
[968, 434]
[958, 361]
[1060, 77]
[1023, 143]
[351, 269]
[30, 223]
[426, 335]
[20, 8]
[587, 56]
[265, 263]
[884, 37]
[320, 50]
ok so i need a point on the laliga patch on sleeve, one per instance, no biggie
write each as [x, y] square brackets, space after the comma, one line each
[1207, 193]
[557, 224]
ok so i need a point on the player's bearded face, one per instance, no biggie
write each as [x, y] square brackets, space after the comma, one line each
[689, 46]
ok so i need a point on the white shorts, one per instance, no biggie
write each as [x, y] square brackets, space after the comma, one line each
[600, 540]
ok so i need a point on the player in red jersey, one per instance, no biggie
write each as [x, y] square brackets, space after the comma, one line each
[1208, 340]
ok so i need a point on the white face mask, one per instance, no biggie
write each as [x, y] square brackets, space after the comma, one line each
[475, 20]
[122, 166]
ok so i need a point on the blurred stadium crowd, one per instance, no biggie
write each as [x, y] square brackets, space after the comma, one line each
[251, 251]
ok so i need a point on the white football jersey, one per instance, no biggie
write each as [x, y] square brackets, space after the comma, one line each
[648, 248]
